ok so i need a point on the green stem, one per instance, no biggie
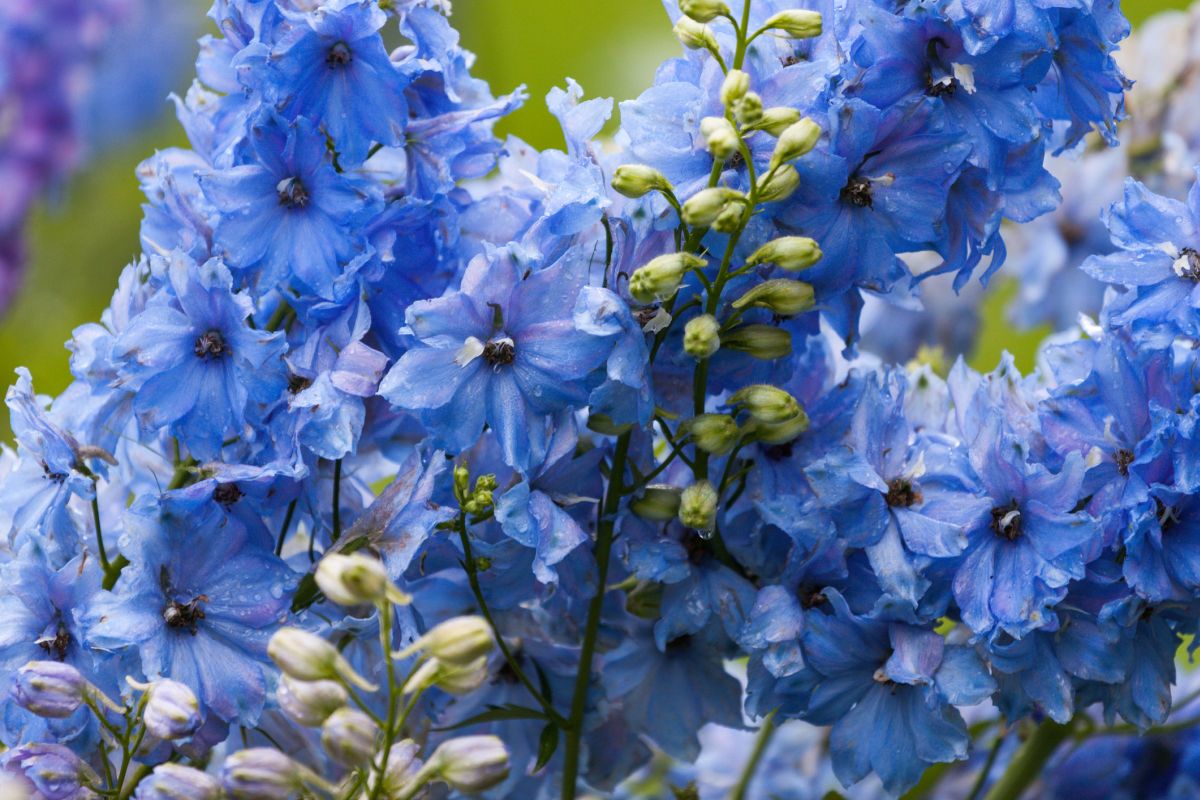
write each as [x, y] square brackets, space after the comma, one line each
[1027, 764]
[604, 542]
[104, 564]
[337, 501]
[981, 779]
[760, 748]
[287, 524]
[389, 729]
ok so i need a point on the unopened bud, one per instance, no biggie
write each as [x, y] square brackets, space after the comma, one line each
[781, 296]
[792, 253]
[660, 279]
[780, 432]
[777, 119]
[50, 689]
[176, 782]
[53, 770]
[470, 764]
[694, 35]
[766, 403]
[749, 109]
[730, 220]
[456, 642]
[796, 23]
[309, 703]
[720, 137]
[702, 336]
[734, 87]
[356, 579]
[704, 10]
[638, 180]
[307, 657]
[172, 710]
[403, 767]
[456, 680]
[657, 503]
[349, 737]
[713, 433]
[796, 140]
[698, 506]
[706, 205]
[778, 184]
[765, 342]
[261, 773]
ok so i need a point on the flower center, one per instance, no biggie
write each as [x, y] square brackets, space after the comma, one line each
[227, 493]
[858, 191]
[902, 494]
[940, 87]
[500, 352]
[339, 55]
[292, 193]
[1006, 521]
[1123, 458]
[184, 616]
[58, 644]
[210, 344]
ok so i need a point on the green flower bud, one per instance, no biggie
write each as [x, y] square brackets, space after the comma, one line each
[658, 503]
[729, 220]
[349, 737]
[796, 140]
[704, 10]
[781, 296]
[706, 205]
[764, 342]
[356, 579]
[780, 432]
[450, 678]
[720, 137]
[702, 336]
[777, 119]
[307, 657]
[698, 506]
[694, 35]
[766, 403]
[796, 23]
[734, 87]
[462, 480]
[713, 433]
[660, 279]
[778, 184]
[792, 253]
[749, 109]
[638, 180]
[456, 642]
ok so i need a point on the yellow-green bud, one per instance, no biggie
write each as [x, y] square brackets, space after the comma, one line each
[456, 642]
[792, 253]
[638, 180]
[796, 140]
[704, 10]
[749, 109]
[702, 336]
[694, 35]
[355, 579]
[782, 296]
[734, 87]
[454, 679]
[713, 433]
[720, 137]
[777, 119]
[729, 220]
[766, 403]
[658, 503]
[706, 205]
[796, 23]
[698, 506]
[780, 432]
[307, 657]
[778, 184]
[764, 342]
[660, 279]
[462, 480]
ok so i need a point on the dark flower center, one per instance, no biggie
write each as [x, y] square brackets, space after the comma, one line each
[292, 193]
[56, 645]
[184, 616]
[940, 87]
[227, 493]
[779, 452]
[1187, 266]
[210, 344]
[901, 493]
[1123, 458]
[1006, 521]
[339, 55]
[788, 61]
[858, 191]
[811, 596]
[298, 383]
[499, 352]
[51, 475]
[696, 548]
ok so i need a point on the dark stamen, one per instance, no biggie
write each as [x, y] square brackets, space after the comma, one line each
[210, 345]
[339, 55]
[298, 383]
[1006, 521]
[902, 494]
[227, 493]
[858, 191]
[1123, 458]
[1189, 271]
[942, 87]
[292, 193]
[57, 646]
[499, 352]
[184, 616]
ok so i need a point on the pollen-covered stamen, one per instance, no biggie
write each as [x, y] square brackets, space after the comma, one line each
[227, 493]
[1123, 458]
[1006, 521]
[858, 191]
[902, 493]
[292, 193]
[1187, 265]
[210, 344]
[339, 55]
[940, 87]
[184, 616]
[57, 644]
[500, 352]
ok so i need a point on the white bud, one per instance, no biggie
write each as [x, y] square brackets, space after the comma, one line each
[638, 180]
[777, 119]
[734, 87]
[309, 703]
[778, 184]
[796, 23]
[781, 296]
[172, 710]
[694, 35]
[704, 10]
[349, 736]
[792, 253]
[796, 140]
[703, 208]
[308, 657]
[356, 579]
[455, 642]
[470, 764]
[720, 137]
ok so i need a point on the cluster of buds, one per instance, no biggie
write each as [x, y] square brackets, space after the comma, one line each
[775, 416]
[479, 500]
[452, 656]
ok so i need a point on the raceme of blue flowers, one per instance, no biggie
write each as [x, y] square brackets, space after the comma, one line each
[407, 459]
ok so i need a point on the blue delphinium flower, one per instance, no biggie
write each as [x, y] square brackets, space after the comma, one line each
[198, 603]
[195, 361]
[500, 352]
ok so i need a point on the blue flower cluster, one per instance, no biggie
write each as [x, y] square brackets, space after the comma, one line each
[378, 369]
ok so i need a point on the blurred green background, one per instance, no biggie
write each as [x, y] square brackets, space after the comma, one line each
[81, 239]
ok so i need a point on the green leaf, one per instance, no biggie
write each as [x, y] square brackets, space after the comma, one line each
[307, 593]
[543, 683]
[547, 744]
[497, 714]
